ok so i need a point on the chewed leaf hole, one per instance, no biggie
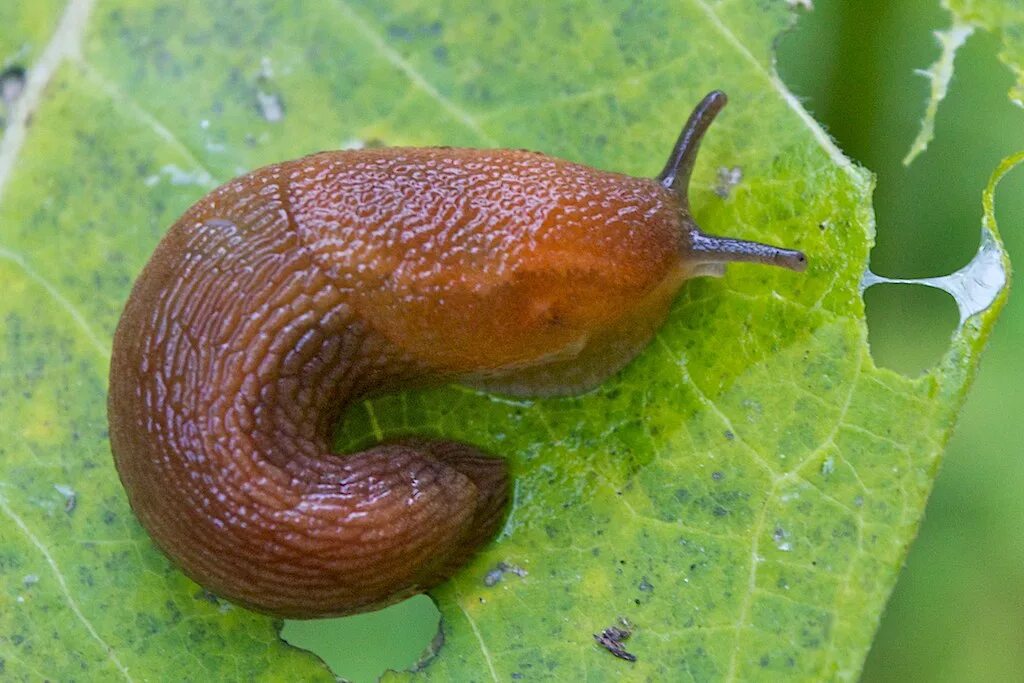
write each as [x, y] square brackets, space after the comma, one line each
[362, 647]
[898, 312]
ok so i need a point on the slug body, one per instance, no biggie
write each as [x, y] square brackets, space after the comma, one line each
[285, 295]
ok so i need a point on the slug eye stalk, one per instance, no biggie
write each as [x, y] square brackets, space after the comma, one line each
[679, 167]
[710, 251]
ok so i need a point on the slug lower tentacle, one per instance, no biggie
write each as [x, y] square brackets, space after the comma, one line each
[285, 295]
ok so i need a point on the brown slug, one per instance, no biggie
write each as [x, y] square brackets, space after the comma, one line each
[285, 295]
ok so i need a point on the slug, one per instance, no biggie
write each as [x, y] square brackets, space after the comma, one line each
[287, 294]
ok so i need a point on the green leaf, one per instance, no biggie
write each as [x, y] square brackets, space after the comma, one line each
[744, 493]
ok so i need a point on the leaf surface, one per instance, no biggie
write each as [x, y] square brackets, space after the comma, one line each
[743, 494]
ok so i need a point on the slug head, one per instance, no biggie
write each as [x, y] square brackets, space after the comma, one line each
[600, 281]
[548, 268]
[708, 254]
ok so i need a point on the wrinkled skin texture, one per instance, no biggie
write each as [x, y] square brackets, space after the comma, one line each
[285, 295]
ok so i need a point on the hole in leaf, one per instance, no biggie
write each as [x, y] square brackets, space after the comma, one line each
[362, 647]
[909, 327]
[870, 99]
[866, 94]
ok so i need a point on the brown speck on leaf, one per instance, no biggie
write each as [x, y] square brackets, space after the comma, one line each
[70, 497]
[613, 637]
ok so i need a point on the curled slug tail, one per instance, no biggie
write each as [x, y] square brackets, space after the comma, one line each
[679, 167]
[709, 252]
[490, 479]
[373, 528]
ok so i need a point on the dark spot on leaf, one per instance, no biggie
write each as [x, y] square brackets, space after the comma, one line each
[147, 624]
[174, 614]
[729, 435]
[717, 476]
[12, 83]
[645, 585]
[719, 511]
[85, 575]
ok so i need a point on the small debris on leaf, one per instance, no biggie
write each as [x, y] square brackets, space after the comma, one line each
[268, 97]
[271, 106]
[70, 497]
[613, 637]
[780, 536]
[494, 576]
[728, 178]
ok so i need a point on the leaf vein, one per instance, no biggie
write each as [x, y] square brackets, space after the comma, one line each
[62, 301]
[65, 42]
[820, 136]
[414, 76]
[20, 523]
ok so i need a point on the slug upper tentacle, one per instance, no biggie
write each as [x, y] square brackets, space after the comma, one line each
[287, 294]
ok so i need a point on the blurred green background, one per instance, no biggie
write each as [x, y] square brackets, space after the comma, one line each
[958, 610]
